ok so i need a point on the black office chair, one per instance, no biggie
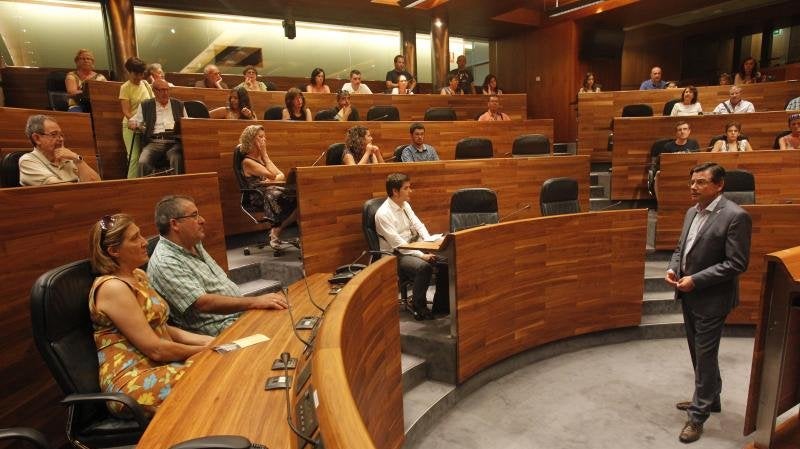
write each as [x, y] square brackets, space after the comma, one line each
[251, 200]
[31, 436]
[668, 106]
[384, 113]
[274, 113]
[333, 156]
[559, 196]
[740, 186]
[57, 90]
[9, 169]
[655, 164]
[474, 148]
[440, 114]
[196, 109]
[368, 211]
[63, 335]
[722, 137]
[325, 115]
[473, 207]
[528, 145]
[398, 152]
[777, 145]
[637, 110]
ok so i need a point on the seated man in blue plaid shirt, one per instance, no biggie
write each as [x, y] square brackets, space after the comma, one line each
[202, 299]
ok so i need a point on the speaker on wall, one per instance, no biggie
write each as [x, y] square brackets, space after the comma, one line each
[289, 29]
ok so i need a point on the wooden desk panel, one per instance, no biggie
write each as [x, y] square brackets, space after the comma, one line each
[529, 282]
[634, 136]
[26, 87]
[77, 129]
[357, 370]
[107, 116]
[595, 110]
[47, 226]
[208, 146]
[331, 198]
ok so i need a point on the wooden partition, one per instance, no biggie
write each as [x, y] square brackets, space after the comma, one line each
[529, 282]
[595, 110]
[633, 137]
[357, 372]
[284, 83]
[77, 129]
[47, 226]
[208, 146]
[26, 87]
[107, 116]
[331, 198]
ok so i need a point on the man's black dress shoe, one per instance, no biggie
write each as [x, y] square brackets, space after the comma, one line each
[716, 408]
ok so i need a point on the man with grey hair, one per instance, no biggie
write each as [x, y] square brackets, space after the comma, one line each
[50, 162]
[212, 79]
[201, 296]
[735, 105]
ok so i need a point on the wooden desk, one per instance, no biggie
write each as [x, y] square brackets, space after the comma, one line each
[26, 87]
[525, 283]
[77, 129]
[633, 137]
[107, 118]
[356, 378]
[208, 146]
[595, 110]
[47, 226]
[331, 198]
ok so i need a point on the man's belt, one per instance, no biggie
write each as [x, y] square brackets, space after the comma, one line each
[166, 135]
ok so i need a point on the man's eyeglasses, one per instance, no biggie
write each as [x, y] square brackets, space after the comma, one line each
[53, 134]
[194, 216]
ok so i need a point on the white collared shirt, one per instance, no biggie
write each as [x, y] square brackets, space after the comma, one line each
[697, 224]
[398, 226]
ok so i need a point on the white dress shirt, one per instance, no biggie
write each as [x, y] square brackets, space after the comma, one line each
[398, 226]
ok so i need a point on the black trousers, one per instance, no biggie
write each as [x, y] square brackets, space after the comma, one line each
[420, 272]
[155, 151]
[703, 334]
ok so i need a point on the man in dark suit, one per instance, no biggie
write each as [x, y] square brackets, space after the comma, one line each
[713, 250]
[159, 120]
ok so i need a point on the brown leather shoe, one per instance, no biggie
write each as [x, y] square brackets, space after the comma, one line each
[691, 432]
[686, 404]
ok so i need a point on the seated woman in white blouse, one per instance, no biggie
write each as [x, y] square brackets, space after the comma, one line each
[402, 87]
[689, 104]
[731, 142]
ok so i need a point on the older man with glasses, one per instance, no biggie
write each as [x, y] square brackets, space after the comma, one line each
[201, 297]
[158, 120]
[212, 78]
[50, 162]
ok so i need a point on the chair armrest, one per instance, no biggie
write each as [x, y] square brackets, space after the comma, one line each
[215, 442]
[136, 410]
[26, 434]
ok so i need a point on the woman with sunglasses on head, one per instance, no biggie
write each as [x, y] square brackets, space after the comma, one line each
[138, 352]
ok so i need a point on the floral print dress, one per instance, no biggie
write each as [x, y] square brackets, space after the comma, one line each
[123, 369]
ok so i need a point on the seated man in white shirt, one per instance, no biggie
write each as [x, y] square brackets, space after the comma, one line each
[735, 105]
[50, 162]
[355, 86]
[160, 117]
[397, 225]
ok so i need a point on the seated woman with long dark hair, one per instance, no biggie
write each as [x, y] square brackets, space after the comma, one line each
[139, 353]
[359, 149]
[295, 106]
[238, 106]
[280, 202]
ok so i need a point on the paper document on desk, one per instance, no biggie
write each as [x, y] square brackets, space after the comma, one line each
[434, 237]
[241, 343]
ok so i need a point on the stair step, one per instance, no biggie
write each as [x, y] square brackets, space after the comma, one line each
[414, 371]
[660, 305]
[424, 401]
[662, 318]
[245, 273]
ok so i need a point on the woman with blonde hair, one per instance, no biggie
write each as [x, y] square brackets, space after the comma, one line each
[84, 71]
[139, 353]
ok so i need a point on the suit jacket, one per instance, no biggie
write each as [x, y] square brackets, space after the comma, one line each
[719, 254]
[149, 116]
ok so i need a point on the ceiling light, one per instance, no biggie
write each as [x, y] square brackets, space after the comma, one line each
[571, 7]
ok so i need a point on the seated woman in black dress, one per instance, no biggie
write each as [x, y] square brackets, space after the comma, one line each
[295, 106]
[280, 202]
[359, 149]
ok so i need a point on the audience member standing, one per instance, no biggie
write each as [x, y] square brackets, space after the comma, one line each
[316, 83]
[493, 113]
[465, 78]
[689, 104]
[50, 162]
[791, 141]
[731, 142]
[748, 73]
[713, 250]
[735, 105]
[84, 71]
[655, 81]
[355, 86]
[589, 84]
[295, 106]
[212, 78]
[131, 94]
[399, 69]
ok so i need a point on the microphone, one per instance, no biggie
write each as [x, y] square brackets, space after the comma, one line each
[308, 290]
[525, 207]
[378, 119]
[291, 317]
[320, 157]
[285, 359]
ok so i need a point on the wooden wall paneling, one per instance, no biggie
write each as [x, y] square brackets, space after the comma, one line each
[44, 227]
[330, 198]
[595, 111]
[26, 87]
[498, 314]
[107, 116]
[647, 47]
[77, 129]
[508, 55]
[356, 363]
[633, 137]
[208, 146]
